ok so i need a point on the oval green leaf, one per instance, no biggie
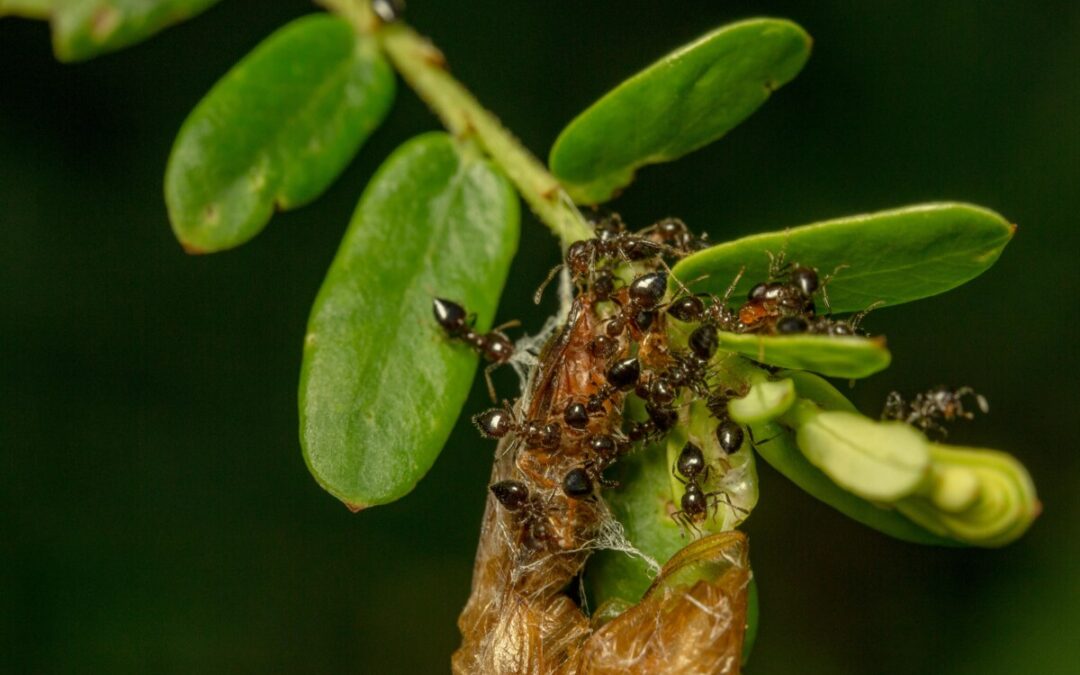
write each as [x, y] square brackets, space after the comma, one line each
[832, 356]
[684, 101]
[275, 131]
[82, 29]
[888, 257]
[381, 386]
[777, 447]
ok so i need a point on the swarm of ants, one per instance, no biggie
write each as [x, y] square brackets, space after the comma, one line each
[560, 438]
[570, 428]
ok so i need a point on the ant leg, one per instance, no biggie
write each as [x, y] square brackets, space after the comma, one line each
[513, 323]
[490, 383]
[754, 443]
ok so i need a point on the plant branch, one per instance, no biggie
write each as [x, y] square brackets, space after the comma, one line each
[423, 67]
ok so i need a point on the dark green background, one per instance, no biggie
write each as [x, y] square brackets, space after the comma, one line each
[155, 513]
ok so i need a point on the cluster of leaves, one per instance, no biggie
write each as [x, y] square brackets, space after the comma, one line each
[442, 215]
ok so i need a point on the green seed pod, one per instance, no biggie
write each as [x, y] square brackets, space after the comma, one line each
[878, 461]
[764, 402]
[982, 497]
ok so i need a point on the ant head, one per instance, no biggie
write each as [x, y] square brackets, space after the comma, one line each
[806, 278]
[579, 258]
[689, 308]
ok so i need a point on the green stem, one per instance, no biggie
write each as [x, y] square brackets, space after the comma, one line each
[423, 67]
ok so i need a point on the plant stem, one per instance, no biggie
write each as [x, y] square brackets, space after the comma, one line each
[423, 67]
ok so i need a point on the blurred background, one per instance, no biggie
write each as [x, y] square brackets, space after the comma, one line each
[155, 513]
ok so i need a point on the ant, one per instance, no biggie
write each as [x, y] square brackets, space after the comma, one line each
[661, 420]
[673, 233]
[612, 241]
[785, 303]
[495, 346]
[578, 483]
[514, 496]
[729, 434]
[691, 308]
[621, 376]
[692, 470]
[927, 408]
[644, 295]
[824, 325]
[498, 422]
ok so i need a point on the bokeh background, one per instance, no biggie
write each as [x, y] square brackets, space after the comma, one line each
[155, 513]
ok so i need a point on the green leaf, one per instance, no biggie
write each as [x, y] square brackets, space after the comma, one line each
[275, 131]
[888, 257]
[776, 445]
[833, 356]
[381, 386]
[684, 101]
[29, 9]
[82, 29]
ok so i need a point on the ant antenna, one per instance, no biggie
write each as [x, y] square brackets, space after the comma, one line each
[551, 276]
[825, 284]
[859, 316]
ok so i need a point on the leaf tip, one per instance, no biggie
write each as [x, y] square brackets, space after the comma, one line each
[193, 249]
[353, 507]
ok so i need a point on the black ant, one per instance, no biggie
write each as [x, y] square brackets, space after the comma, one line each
[729, 434]
[495, 346]
[578, 483]
[643, 297]
[621, 376]
[692, 470]
[823, 325]
[673, 233]
[612, 241]
[514, 496]
[785, 303]
[928, 409]
[498, 422]
[662, 419]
